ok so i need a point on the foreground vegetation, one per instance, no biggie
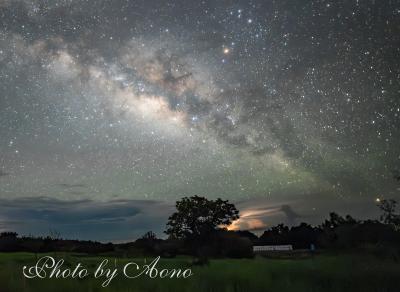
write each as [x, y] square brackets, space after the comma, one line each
[363, 255]
[323, 272]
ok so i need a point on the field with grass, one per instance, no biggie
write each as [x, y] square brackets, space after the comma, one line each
[324, 272]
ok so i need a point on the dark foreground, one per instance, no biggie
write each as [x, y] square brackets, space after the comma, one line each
[325, 272]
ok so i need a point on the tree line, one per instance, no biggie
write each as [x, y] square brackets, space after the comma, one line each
[199, 228]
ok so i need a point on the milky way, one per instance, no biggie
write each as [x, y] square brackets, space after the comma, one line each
[259, 102]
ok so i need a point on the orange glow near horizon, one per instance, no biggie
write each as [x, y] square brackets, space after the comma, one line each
[249, 219]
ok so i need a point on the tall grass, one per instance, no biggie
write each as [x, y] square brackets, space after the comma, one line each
[346, 272]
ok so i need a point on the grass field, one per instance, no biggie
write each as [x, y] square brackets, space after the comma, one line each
[325, 272]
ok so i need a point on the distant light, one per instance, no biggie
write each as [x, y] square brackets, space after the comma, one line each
[226, 51]
[378, 200]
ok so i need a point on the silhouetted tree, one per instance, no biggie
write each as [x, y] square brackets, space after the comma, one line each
[148, 242]
[247, 234]
[150, 235]
[389, 215]
[197, 216]
[280, 229]
[334, 221]
[351, 220]
[54, 234]
[330, 229]
[8, 234]
[303, 235]
[278, 234]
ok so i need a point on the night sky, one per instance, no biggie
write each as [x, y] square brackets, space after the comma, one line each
[110, 111]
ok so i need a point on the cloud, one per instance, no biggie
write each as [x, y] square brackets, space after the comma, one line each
[115, 220]
[262, 213]
[290, 214]
[255, 217]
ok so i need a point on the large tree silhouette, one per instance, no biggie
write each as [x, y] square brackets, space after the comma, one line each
[389, 215]
[197, 217]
